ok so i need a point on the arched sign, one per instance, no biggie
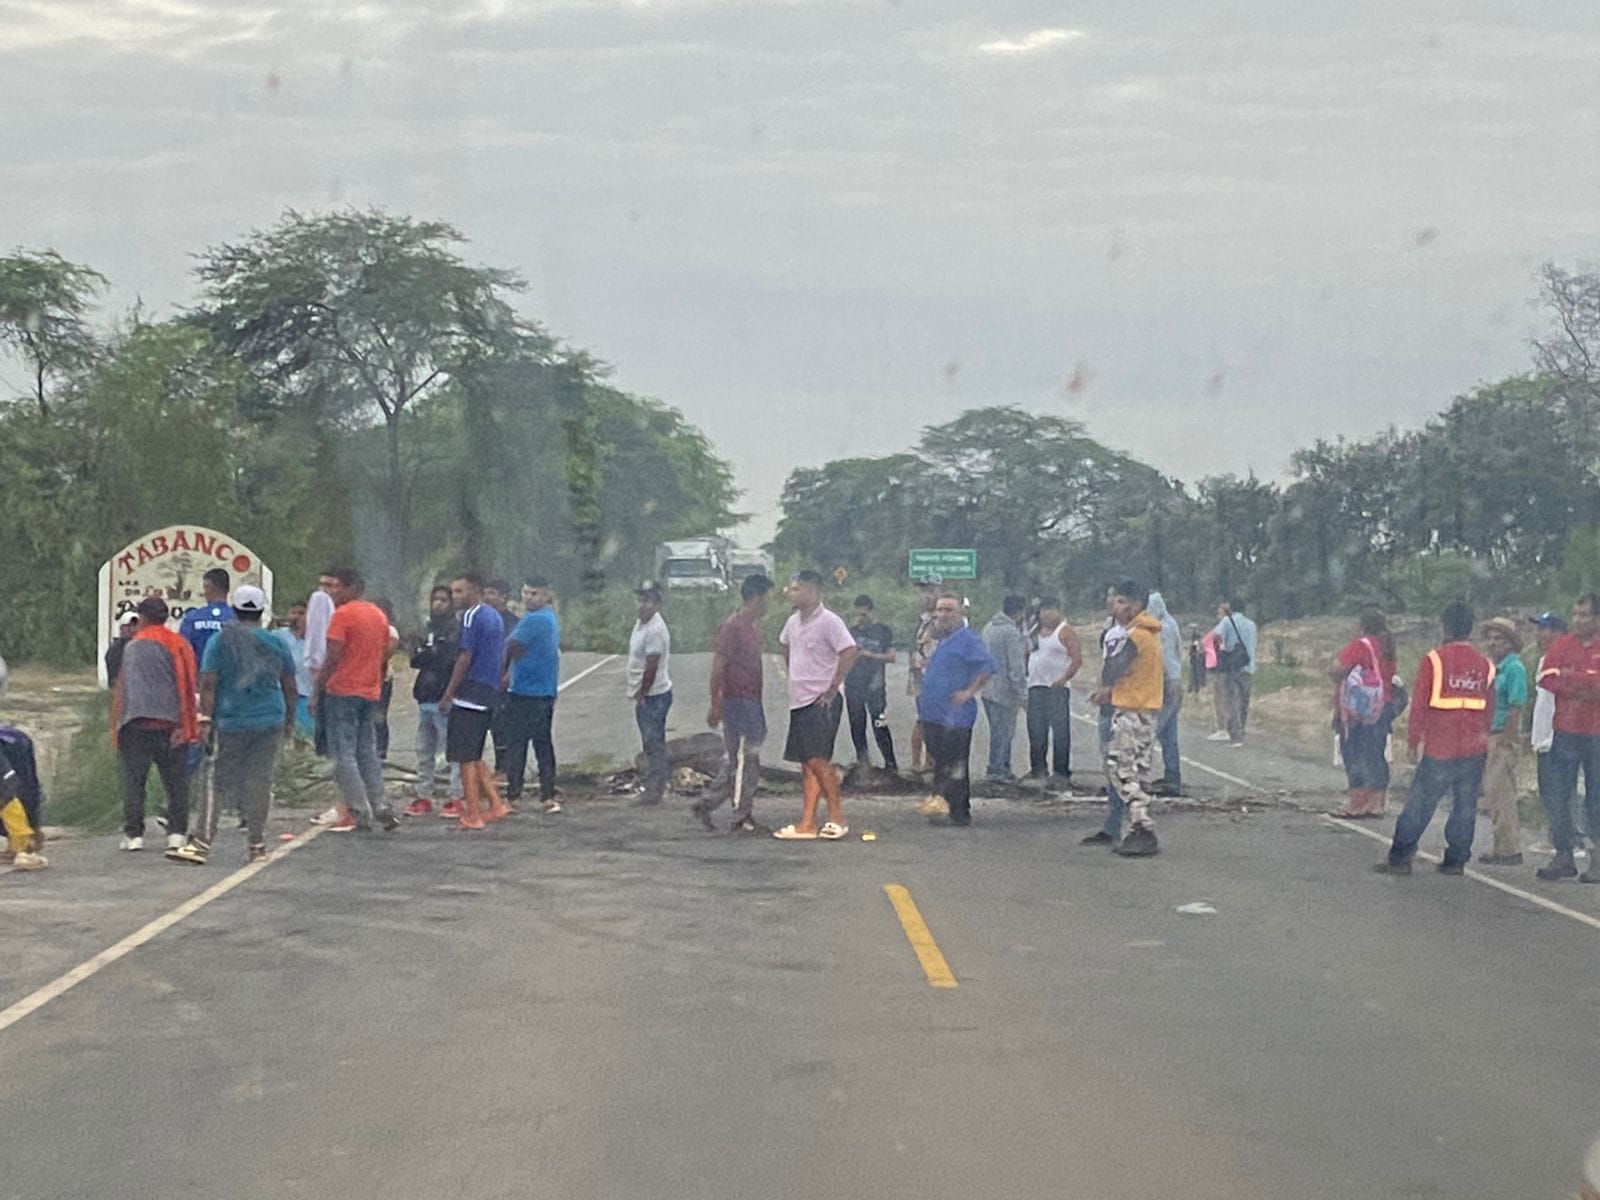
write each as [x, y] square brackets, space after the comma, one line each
[169, 563]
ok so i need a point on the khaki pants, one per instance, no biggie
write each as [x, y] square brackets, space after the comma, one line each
[1500, 796]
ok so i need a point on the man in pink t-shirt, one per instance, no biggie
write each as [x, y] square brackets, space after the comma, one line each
[819, 651]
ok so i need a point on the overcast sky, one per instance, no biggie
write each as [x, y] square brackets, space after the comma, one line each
[816, 227]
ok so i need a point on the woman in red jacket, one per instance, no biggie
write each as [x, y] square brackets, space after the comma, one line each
[1363, 737]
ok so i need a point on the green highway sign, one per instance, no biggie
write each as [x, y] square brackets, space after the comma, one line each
[946, 564]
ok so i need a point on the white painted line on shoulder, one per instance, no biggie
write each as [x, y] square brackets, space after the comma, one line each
[585, 673]
[1223, 775]
[91, 967]
[1508, 889]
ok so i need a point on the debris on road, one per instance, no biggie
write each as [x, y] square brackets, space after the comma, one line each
[1197, 908]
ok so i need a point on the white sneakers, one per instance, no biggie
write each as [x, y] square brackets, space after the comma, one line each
[131, 843]
[27, 860]
[174, 840]
[1220, 735]
[326, 818]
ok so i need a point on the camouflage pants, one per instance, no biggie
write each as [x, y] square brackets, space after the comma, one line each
[1133, 738]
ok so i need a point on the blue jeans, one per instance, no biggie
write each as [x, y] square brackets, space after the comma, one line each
[1167, 734]
[1362, 746]
[1002, 732]
[431, 725]
[1462, 780]
[1570, 753]
[353, 746]
[652, 718]
[1114, 804]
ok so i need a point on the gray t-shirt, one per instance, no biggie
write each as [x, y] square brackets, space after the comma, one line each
[149, 683]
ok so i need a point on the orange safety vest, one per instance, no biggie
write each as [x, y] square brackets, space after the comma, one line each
[1465, 684]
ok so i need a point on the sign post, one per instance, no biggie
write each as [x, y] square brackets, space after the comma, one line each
[945, 564]
[169, 563]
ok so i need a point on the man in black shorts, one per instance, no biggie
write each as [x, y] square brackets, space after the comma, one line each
[820, 652]
[469, 700]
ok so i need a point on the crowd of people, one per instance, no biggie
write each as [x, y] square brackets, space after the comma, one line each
[209, 707]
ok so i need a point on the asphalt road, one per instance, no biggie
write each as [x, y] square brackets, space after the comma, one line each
[610, 1003]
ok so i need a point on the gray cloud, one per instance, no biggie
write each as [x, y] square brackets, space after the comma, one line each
[788, 218]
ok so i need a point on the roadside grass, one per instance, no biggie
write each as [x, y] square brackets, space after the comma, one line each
[86, 788]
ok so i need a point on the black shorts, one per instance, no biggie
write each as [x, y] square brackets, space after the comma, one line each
[465, 731]
[812, 731]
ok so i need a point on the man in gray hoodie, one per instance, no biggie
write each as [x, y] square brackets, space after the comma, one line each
[1007, 690]
[1172, 696]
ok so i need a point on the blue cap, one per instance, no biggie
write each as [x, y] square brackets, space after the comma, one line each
[1549, 620]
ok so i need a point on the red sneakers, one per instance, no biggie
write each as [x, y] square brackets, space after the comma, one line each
[420, 807]
[451, 810]
[345, 824]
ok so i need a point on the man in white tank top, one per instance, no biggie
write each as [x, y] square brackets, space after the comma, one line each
[1050, 668]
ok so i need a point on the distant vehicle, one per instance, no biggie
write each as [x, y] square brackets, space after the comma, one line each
[695, 564]
[744, 563]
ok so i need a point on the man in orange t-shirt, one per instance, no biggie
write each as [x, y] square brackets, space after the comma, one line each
[347, 688]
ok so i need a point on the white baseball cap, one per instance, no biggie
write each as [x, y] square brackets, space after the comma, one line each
[249, 598]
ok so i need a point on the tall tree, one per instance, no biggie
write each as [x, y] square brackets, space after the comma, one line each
[369, 312]
[43, 302]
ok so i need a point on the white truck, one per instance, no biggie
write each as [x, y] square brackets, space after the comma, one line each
[694, 564]
[744, 563]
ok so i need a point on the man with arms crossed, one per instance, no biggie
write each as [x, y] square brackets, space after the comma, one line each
[530, 682]
[736, 680]
[959, 667]
[820, 652]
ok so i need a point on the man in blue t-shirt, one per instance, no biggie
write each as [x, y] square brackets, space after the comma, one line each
[947, 706]
[532, 671]
[469, 700]
[199, 625]
[247, 695]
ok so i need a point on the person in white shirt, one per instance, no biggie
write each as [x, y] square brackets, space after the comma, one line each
[819, 652]
[319, 612]
[650, 688]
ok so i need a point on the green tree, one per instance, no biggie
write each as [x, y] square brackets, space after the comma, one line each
[364, 314]
[43, 302]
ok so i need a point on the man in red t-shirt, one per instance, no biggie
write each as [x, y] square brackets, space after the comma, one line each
[347, 689]
[1570, 671]
[1452, 706]
[736, 680]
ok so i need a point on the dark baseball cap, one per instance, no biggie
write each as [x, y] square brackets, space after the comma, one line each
[1549, 620]
[649, 591]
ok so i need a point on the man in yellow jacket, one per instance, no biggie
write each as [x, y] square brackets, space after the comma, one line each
[1131, 681]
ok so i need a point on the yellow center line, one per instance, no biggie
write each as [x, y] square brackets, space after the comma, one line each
[927, 952]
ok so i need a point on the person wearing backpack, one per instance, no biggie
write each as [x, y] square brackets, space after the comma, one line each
[1362, 676]
[1236, 666]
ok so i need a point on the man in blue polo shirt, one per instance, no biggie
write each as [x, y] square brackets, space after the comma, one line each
[199, 625]
[947, 706]
[533, 669]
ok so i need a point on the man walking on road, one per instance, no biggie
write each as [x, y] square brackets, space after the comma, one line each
[433, 660]
[736, 682]
[650, 687]
[866, 694]
[1172, 698]
[1051, 668]
[1503, 643]
[1236, 669]
[202, 623]
[1131, 682]
[347, 691]
[1007, 689]
[532, 678]
[1571, 673]
[819, 651]
[469, 702]
[154, 722]
[1452, 706]
[247, 696]
[958, 669]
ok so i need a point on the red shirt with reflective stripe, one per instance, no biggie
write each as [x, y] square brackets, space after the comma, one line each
[1571, 671]
[1451, 710]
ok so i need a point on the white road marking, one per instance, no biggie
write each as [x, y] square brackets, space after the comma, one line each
[585, 673]
[36, 1000]
[91, 967]
[1519, 893]
[1223, 775]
